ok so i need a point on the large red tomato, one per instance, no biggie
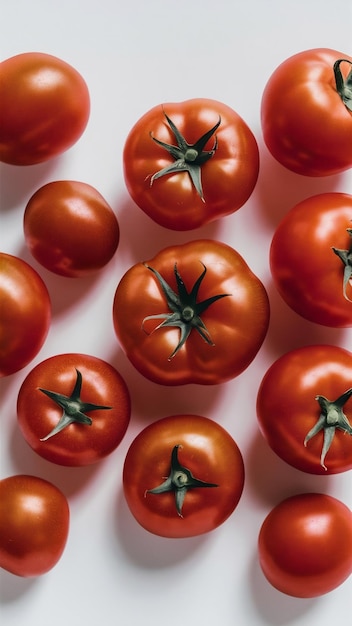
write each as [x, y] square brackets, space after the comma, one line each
[73, 409]
[183, 476]
[306, 112]
[305, 545]
[189, 163]
[70, 229]
[195, 313]
[34, 525]
[25, 313]
[45, 108]
[304, 408]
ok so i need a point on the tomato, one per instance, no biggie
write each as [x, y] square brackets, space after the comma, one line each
[34, 525]
[70, 229]
[25, 313]
[304, 408]
[213, 313]
[305, 545]
[189, 163]
[73, 409]
[45, 107]
[306, 112]
[313, 281]
[183, 476]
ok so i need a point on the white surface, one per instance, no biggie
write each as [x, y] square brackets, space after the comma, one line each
[135, 54]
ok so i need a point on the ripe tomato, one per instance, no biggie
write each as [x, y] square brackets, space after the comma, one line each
[204, 470]
[312, 280]
[25, 313]
[70, 228]
[189, 163]
[45, 108]
[207, 287]
[53, 403]
[304, 408]
[305, 545]
[34, 525]
[306, 112]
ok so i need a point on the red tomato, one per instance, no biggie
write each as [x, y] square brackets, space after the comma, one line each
[44, 108]
[53, 403]
[25, 313]
[304, 408]
[34, 525]
[305, 545]
[306, 112]
[189, 163]
[70, 228]
[204, 470]
[313, 281]
[213, 313]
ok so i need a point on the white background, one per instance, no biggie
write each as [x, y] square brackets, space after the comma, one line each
[134, 54]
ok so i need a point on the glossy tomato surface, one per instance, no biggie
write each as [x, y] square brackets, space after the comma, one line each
[70, 228]
[25, 313]
[34, 525]
[305, 545]
[73, 409]
[219, 345]
[207, 451]
[228, 176]
[45, 107]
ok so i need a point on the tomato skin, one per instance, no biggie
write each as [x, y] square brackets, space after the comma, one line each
[305, 124]
[237, 323]
[34, 525]
[25, 313]
[228, 178]
[70, 228]
[306, 272]
[45, 107]
[78, 444]
[287, 407]
[208, 451]
[305, 545]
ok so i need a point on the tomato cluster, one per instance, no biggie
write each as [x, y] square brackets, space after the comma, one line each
[194, 313]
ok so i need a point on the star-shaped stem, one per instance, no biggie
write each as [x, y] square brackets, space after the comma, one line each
[331, 417]
[188, 157]
[74, 409]
[180, 480]
[185, 310]
[346, 258]
[343, 85]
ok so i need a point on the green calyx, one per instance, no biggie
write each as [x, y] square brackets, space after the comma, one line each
[180, 480]
[331, 417]
[188, 157]
[185, 310]
[346, 258]
[74, 409]
[343, 85]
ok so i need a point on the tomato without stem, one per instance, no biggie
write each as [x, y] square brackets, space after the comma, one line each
[70, 228]
[34, 525]
[189, 163]
[306, 112]
[73, 409]
[183, 476]
[305, 545]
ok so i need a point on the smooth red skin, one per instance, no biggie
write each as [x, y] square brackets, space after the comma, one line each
[228, 178]
[287, 409]
[305, 545]
[25, 314]
[208, 451]
[77, 444]
[306, 272]
[34, 525]
[70, 228]
[45, 108]
[305, 124]
[237, 323]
